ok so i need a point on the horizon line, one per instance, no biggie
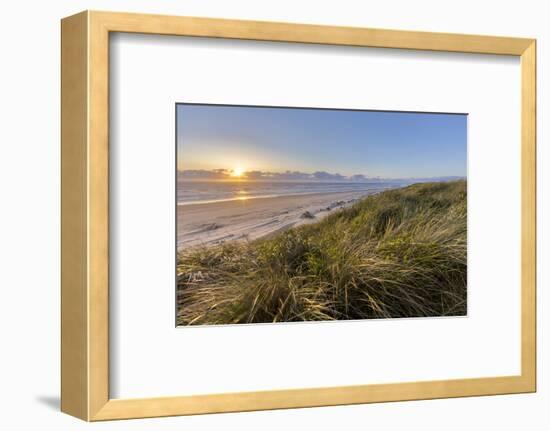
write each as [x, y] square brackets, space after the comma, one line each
[225, 174]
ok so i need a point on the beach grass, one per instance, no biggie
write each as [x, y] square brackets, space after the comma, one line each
[400, 253]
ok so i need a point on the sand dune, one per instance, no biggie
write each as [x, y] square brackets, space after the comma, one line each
[242, 220]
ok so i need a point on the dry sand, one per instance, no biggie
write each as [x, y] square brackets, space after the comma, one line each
[215, 223]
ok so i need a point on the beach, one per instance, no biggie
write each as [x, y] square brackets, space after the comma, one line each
[210, 223]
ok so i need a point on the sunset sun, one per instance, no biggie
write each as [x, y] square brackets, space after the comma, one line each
[237, 172]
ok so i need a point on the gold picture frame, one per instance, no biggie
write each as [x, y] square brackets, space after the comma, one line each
[85, 219]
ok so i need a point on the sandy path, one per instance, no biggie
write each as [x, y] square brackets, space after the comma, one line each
[214, 223]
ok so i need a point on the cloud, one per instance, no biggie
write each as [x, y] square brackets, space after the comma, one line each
[203, 174]
[325, 176]
[225, 174]
[222, 174]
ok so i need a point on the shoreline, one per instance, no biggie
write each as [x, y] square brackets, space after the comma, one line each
[245, 198]
[213, 223]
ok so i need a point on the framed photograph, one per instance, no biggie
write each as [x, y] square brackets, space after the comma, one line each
[264, 215]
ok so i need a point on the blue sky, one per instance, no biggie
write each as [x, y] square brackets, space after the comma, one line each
[372, 143]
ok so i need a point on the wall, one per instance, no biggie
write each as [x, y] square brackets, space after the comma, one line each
[29, 215]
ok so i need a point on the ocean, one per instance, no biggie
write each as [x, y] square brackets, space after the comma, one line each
[199, 192]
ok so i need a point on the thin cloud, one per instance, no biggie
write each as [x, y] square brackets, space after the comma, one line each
[320, 176]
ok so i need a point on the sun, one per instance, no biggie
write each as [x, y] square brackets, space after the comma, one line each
[237, 172]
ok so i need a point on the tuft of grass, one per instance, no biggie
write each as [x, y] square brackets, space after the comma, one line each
[400, 253]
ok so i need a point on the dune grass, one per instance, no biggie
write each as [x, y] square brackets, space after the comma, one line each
[400, 253]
